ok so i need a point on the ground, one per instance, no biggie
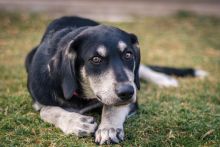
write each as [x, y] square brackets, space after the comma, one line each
[185, 116]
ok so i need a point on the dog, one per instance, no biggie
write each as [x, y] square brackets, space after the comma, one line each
[80, 65]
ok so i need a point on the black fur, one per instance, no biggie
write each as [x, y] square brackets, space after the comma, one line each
[29, 58]
[179, 72]
[53, 77]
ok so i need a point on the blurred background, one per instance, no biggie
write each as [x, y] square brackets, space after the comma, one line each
[112, 10]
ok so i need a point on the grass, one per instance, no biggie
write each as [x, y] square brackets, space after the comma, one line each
[185, 116]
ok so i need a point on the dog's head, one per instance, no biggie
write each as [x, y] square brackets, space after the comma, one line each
[105, 60]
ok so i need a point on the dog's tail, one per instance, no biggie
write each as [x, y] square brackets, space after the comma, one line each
[179, 72]
[29, 58]
[162, 76]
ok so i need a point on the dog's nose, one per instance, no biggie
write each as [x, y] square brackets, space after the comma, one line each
[124, 91]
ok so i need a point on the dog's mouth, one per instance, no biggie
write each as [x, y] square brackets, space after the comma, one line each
[123, 102]
[117, 103]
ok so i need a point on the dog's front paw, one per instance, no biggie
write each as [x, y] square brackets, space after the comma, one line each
[109, 135]
[80, 125]
[69, 122]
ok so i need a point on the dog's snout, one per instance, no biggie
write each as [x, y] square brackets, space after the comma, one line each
[124, 91]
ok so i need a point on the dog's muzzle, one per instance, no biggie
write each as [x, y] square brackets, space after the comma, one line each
[124, 91]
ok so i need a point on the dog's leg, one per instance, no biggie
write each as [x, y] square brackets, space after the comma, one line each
[69, 122]
[111, 127]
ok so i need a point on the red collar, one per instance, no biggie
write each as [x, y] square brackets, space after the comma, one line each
[75, 93]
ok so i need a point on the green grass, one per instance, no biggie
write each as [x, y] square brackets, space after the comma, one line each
[185, 116]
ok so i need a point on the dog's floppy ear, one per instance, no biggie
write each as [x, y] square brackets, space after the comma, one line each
[69, 82]
[135, 44]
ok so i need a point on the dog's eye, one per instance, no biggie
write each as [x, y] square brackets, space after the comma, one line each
[96, 60]
[128, 55]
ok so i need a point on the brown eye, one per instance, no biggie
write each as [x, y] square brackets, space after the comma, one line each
[128, 55]
[96, 60]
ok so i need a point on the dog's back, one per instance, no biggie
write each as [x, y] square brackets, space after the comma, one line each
[57, 25]
[67, 22]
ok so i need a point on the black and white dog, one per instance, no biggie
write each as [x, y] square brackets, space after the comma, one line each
[80, 65]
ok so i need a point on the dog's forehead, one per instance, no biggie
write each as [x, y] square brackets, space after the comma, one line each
[107, 49]
[102, 50]
[107, 35]
[121, 45]
[106, 39]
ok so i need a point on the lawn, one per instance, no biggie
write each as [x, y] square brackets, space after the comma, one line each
[185, 116]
